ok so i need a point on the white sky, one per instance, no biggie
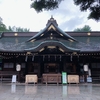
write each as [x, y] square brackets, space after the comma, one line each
[18, 13]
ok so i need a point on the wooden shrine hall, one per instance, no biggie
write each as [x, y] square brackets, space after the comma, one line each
[50, 52]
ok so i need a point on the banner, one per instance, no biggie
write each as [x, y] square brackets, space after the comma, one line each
[64, 78]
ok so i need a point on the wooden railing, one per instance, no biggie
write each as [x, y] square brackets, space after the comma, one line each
[7, 74]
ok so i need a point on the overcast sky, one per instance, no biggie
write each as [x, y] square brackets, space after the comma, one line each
[68, 16]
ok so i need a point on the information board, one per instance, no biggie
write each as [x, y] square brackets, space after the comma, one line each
[13, 78]
[64, 78]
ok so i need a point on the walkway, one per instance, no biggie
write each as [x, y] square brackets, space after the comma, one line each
[20, 91]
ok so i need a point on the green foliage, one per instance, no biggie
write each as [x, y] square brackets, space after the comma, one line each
[3, 27]
[17, 29]
[40, 5]
[12, 29]
[86, 28]
[84, 4]
[92, 5]
[95, 13]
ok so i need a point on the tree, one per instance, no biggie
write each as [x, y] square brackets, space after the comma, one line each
[92, 5]
[17, 29]
[40, 5]
[0, 20]
[86, 28]
[2, 26]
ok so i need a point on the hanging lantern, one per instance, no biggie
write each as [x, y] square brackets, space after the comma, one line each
[18, 67]
[85, 67]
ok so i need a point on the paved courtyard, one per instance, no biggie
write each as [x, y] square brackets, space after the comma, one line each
[21, 91]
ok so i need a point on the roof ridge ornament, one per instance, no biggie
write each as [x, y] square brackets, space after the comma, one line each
[51, 21]
[51, 16]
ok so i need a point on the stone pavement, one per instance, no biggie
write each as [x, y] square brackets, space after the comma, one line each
[22, 91]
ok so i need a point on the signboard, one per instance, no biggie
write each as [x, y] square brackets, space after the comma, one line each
[64, 78]
[14, 79]
[89, 79]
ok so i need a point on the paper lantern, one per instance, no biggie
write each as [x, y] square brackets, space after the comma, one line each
[18, 67]
[85, 67]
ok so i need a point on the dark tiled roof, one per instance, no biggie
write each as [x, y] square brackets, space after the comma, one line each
[19, 44]
[69, 41]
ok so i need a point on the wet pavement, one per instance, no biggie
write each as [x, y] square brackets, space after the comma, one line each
[22, 91]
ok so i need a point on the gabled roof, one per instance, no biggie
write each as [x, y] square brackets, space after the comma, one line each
[11, 43]
[52, 34]
[50, 30]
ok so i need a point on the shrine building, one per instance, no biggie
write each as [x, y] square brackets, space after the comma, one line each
[51, 51]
